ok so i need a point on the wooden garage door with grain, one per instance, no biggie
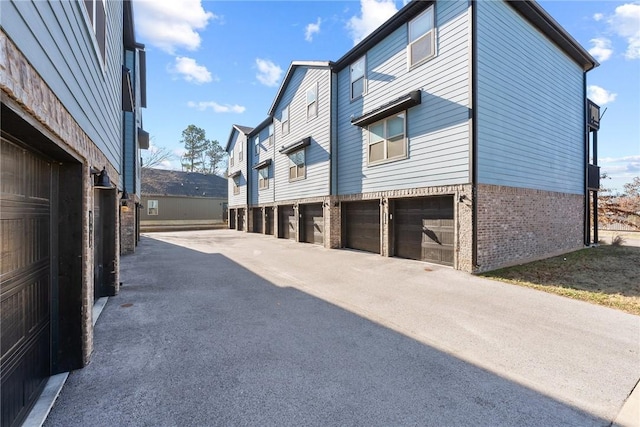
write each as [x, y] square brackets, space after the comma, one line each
[286, 222]
[313, 223]
[257, 220]
[240, 220]
[424, 229]
[268, 220]
[25, 290]
[362, 225]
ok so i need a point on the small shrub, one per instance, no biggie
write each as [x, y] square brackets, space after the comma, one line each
[617, 240]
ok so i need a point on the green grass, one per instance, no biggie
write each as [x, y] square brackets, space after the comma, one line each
[605, 275]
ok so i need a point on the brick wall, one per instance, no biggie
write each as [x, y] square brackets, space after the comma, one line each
[517, 225]
[127, 230]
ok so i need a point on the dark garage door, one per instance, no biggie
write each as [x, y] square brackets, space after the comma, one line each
[268, 220]
[286, 222]
[240, 219]
[25, 232]
[232, 219]
[257, 220]
[424, 229]
[362, 225]
[313, 223]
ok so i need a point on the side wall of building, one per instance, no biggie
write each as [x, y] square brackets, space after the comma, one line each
[238, 145]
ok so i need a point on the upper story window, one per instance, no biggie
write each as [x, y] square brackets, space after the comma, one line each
[236, 187]
[240, 154]
[297, 167]
[152, 207]
[312, 102]
[256, 145]
[231, 157]
[98, 20]
[271, 134]
[285, 120]
[387, 139]
[358, 79]
[421, 37]
[263, 178]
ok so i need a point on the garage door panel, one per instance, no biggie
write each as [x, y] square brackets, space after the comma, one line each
[286, 222]
[25, 300]
[313, 224]
[363, 226]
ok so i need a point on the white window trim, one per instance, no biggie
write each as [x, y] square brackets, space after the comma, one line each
[287, 122]
[313, 88]
[271, 136]
[240, 152]
[386, 142]
[152, 204]
[364, 78]
[256, 145]
[297, 178]
[90, 21]
[236, 186]
[433, 39]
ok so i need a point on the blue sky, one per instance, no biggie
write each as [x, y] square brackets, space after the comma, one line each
[218, 63]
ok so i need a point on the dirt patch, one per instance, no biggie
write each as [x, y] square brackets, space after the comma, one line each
[606, 275]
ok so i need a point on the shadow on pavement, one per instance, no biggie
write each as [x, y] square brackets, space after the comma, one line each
[194, 339]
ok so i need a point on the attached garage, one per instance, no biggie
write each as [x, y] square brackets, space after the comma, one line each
[362, 225]
[240, 222]
[312, 223]
[257, 220]
[268, 220]
[25, 279]
[286, 222]
[232, 219]
[423, 229]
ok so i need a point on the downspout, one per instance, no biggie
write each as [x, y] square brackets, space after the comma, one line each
[474, 135]
[587, 216]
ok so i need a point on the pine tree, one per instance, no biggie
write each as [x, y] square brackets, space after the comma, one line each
[195, 144]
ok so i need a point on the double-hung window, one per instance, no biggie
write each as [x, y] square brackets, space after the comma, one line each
[152, 207]
[263, 178]
[358, 80]
[98, 21]
[387, 139]
[421, 37]
[270, 134]
[285, 120]
[236, 187]
[312, 101]
[296, 165]
[240, 153]
[233, 152]
[256, 145]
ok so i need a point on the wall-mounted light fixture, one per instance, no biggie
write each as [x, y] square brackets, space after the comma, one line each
[125, 197]
[100, 178]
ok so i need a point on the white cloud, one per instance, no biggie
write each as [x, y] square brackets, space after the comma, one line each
[171, 24]
[626, 23]
[312, 29]
[372, 14]
[630, 159]
[217, 108]
[601, 49]
[268, 73]
[599, 95]
[598, 16]
[189, 69]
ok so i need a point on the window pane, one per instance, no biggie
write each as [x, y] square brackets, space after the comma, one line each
[376, 152]
[421, 25]
[301, 170]
[421, 49]
[285, 114]
[292, 172]
[357, 69]
[312, 110]
[376, 132]
[395, 126]
[311, 95]
[357, 88]
[396, 147]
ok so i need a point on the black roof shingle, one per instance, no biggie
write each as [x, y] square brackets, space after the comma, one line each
[160, 182]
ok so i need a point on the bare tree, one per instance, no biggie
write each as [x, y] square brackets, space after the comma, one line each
[156, 156]
[620, 208]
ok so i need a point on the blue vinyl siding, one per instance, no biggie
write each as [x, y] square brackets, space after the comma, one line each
[530, 106]
[317, 154]
[240, 199]
[266, 195]
[437, 129]
[55, 38]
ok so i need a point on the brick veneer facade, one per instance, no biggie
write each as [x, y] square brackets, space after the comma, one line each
[22, 87]
[128, 228]
[521, 225]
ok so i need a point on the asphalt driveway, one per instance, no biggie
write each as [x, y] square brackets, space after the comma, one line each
[233, 329]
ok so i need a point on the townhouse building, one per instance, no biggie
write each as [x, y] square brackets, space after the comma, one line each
[70, 72]
[456, 133]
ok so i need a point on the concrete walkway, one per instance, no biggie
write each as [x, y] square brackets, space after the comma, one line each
[233, 329]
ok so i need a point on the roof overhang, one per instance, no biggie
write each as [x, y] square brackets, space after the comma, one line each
[409, 100]
[143, 139]
[262, 164]
[235, 174]
[287, 77]
[236, 128]
[289, 148]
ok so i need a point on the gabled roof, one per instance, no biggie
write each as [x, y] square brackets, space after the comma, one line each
[266, 122]
[529, 9]
[160, 182]
[237, 128]
[289, 74]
